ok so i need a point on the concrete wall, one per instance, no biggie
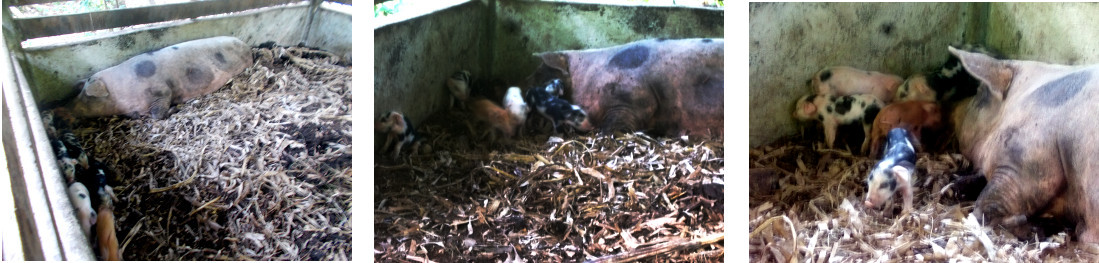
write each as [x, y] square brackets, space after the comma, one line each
[789, 42]
[331, 31]
[527, 27]
[53, 70]
[413, 58]
[1063, 33]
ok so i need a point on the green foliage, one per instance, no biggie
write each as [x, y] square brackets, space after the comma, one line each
[63, 8]
[387, 8]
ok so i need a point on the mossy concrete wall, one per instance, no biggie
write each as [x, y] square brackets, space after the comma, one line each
[1063, 33]
[54, 70]
[789, 42]
[527, 27]
[413, 58]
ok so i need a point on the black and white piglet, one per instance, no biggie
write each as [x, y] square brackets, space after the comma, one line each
[894, 172]
[545, 101]
[833, 111]
[397, 128]
[949, 83]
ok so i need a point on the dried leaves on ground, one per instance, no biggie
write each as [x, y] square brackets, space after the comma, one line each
[544, 198]
[258, 170]
[806, 205]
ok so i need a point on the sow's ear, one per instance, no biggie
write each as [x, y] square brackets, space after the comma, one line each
[96, 88]
[556, 60]
[996, 73]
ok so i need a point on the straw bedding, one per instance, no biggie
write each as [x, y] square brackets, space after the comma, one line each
[806, 205]
[544, 198]
[258, 170]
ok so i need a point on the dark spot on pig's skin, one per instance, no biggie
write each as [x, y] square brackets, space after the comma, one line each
[1059, 91]
[820, 117]
[631, 57]
[891, 181]
[707, 40]
[145, 69]
[1011, 145]
[661, 39]
[824, 76]
[843, 105]
[219, 57]
[174, 48]
[829, 109]
[870, 113]
[199, 76]
[708, 92]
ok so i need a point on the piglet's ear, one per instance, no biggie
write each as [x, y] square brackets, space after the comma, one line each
[556, 60]
[96, 88]
[809, 108]
[902, 173]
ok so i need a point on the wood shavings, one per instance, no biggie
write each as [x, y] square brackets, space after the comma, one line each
[558, 198]
[821, 191]
[258, 170]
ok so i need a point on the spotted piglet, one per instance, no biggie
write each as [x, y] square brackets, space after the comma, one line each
[894, 172]
[78, 195]
[397, 128]
[833, 111]
[843, 81]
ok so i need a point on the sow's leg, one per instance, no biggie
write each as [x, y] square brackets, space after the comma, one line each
[161, 101]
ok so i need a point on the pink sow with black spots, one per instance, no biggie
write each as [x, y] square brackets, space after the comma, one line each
[660, 86]
[147, 84]
[1032, 130]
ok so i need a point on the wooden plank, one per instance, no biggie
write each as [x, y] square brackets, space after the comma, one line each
[66, 24]
[33, 2]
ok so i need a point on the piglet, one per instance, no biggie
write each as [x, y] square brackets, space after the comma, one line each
[560, 111]
[78, 195]
[106, 238]
[458, 83]
[546, 101]
[397, 128]
[498, 119]
[833, 111]
[894, 172]
[910, 115]
[843, 81]
[515, 105]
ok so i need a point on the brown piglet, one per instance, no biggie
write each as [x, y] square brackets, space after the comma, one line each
[106, 236]
[498, 119]
[910, 115]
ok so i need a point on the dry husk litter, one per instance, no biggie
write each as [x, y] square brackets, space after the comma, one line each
[810, 210]
[543, 198]
[258, 170]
